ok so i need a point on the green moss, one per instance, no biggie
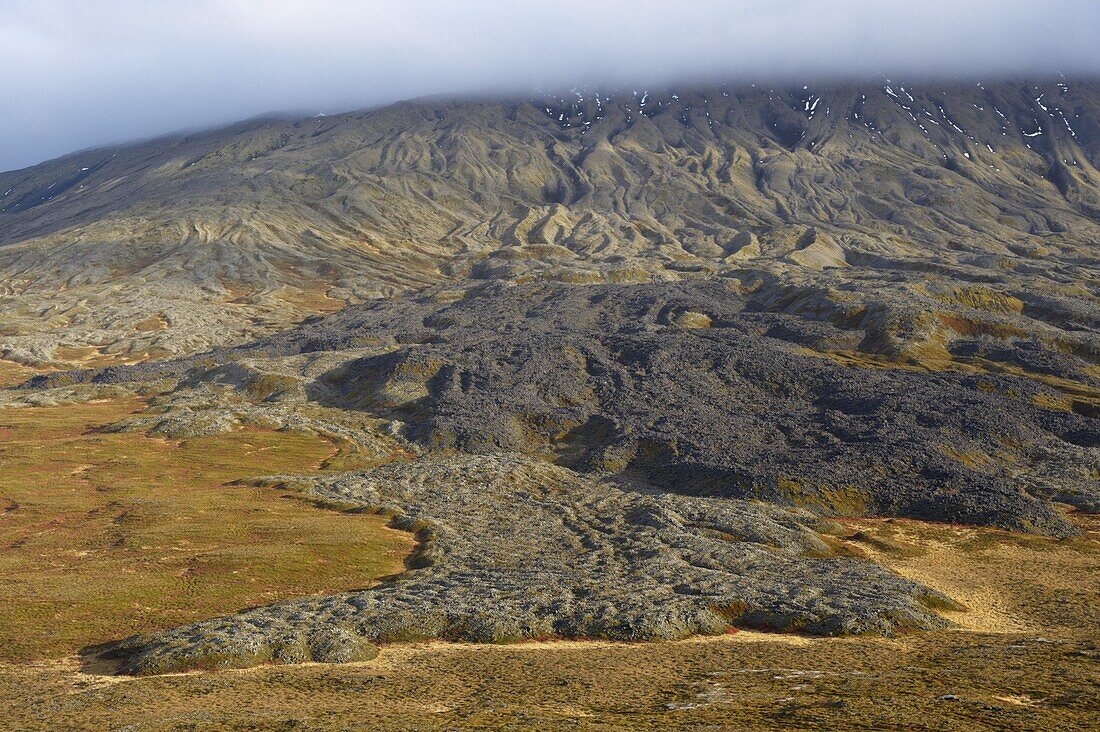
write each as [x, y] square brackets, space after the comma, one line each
[267, 386]
[982, 298]
[837, 501]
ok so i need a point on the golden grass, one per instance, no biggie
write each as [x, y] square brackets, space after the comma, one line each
[150, 324]
[89, 356]
[1010, 582]
[13, 374]
[982, 298]
[1025, 658]
[1077, 397]
[1054, 403]
[109, 534]
[105, 535]
[315, 301]
[973, 327]
[975, 459]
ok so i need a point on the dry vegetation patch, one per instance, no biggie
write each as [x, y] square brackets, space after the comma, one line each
[12, 373]
[106, 535]
[1009, 582]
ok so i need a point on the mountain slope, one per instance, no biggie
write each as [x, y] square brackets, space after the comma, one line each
[623, 362]
[174, 245]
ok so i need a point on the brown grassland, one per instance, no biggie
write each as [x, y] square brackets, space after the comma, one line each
[105, 535]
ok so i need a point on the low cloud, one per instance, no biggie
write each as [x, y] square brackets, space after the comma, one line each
[75, 74]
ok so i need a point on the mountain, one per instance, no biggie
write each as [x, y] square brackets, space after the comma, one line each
[175, 245]
[623, 361]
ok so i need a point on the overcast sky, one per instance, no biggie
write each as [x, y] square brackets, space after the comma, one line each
[78, 73]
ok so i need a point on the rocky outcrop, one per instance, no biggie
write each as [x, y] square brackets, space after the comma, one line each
[629, 462]
[513, 548]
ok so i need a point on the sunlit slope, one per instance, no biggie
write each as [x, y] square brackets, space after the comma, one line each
[176, 244]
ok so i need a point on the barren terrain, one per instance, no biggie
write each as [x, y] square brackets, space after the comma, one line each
[742, 406]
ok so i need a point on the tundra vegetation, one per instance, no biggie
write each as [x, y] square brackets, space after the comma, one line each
[465, 398]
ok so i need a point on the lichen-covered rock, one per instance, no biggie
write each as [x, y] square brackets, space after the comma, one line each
[514, 548]
[583, 462]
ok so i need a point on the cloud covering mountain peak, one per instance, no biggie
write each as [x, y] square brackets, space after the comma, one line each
[77, 74]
